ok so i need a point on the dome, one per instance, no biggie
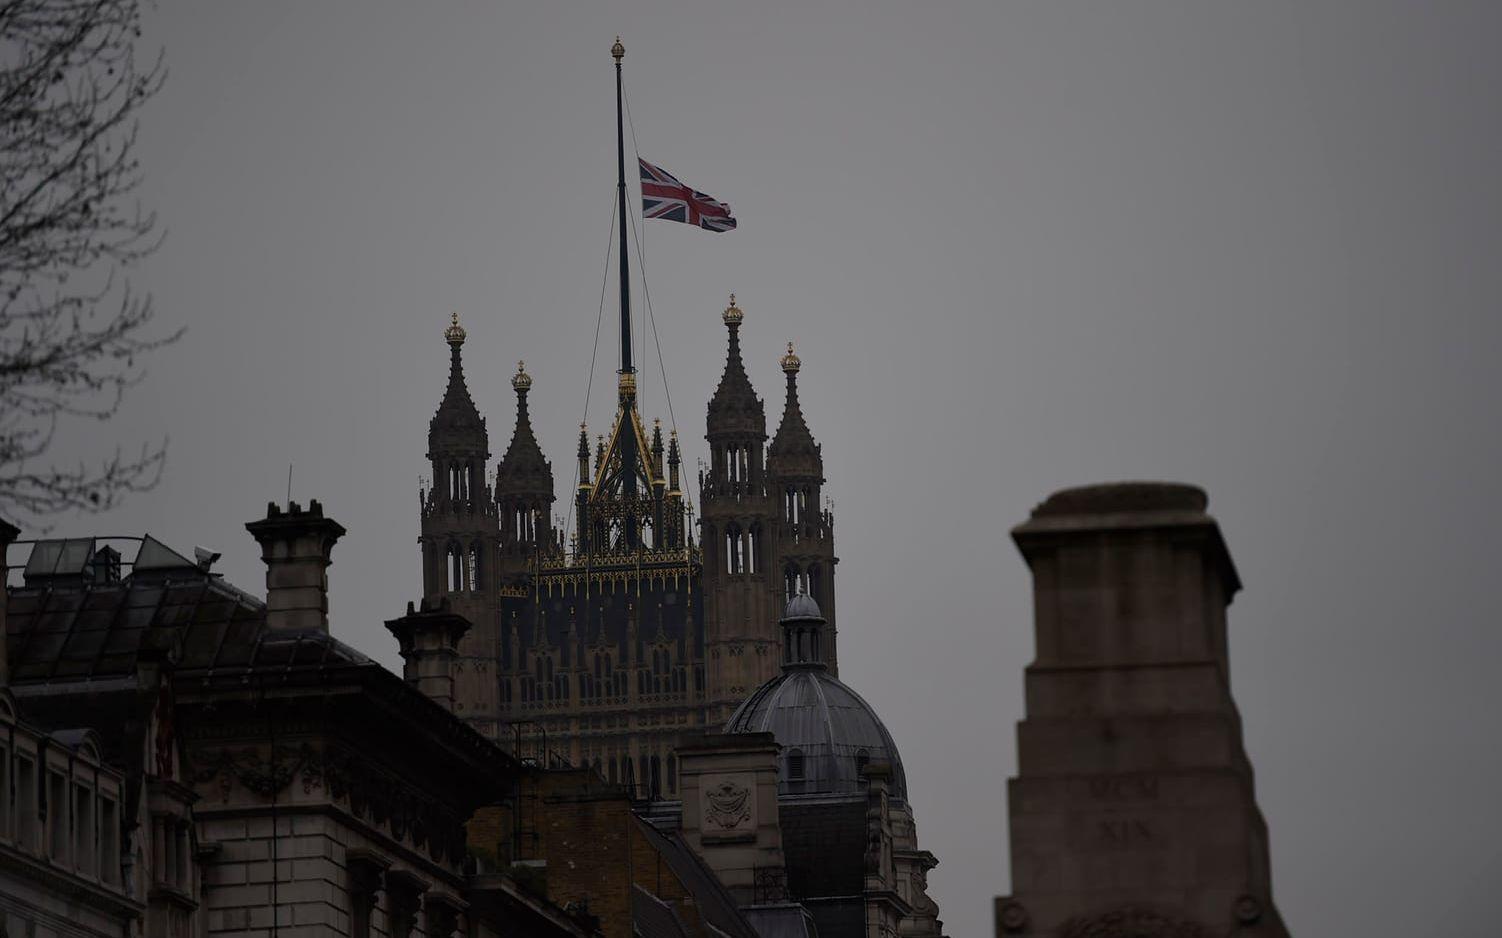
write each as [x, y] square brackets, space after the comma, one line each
[826, 731]
[802, 606]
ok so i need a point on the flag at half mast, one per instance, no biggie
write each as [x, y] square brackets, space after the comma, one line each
[663, 196]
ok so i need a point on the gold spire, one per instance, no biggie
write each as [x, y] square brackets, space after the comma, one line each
[791, 362]
[618, 50]
[521, 380]
[733, 313]
[455, 332]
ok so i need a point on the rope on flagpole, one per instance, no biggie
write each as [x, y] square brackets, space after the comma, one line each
[593, 355]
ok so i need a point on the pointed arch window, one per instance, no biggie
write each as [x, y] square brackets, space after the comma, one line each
[476, 552]
[454, 563]
[735, 549]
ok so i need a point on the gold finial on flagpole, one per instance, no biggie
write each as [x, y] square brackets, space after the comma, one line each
[618, 50]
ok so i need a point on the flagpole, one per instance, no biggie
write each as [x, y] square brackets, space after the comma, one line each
[619, 51]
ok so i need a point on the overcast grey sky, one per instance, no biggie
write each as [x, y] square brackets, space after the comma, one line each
[1020, 246]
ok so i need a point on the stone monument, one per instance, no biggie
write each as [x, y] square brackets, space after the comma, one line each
[1133, 812]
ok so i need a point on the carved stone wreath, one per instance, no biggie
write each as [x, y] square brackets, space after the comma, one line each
[727, 805]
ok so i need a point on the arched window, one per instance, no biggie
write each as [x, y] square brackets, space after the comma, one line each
[795, 763]
[735, 549]
[814, 583]
[655, 787]
[753, 549]
[475, 550]
[628, 773]
[672, 774]
[454, 561]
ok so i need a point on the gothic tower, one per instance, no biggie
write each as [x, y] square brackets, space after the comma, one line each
[738, 517]
[804, 544]
[524, 496]
[459, 530]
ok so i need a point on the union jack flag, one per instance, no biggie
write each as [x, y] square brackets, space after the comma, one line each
[663, 196]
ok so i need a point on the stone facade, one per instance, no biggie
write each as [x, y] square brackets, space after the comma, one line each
[1133, 811]
[181, 760]
[60, 852]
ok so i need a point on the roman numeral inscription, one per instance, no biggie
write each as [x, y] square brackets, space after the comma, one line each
[1124, 787]
[1126, 833]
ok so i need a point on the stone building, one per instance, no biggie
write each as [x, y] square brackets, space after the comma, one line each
[1133, 811]
[182, 759]
[604, 646]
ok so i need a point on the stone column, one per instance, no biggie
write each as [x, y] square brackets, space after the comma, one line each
[1133, 810]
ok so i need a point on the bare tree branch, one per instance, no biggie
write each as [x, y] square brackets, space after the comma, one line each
[72, 332]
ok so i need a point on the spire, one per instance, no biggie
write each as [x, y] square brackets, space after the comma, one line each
[793, 437]
[735, 406]
[523, 470]
[674, 460]
[458, 423]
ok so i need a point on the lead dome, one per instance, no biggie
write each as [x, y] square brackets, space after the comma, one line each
[828, 733]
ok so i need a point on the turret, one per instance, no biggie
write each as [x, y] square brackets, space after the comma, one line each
[736, 426]
[738, 517]
[524, 482]
[458, 444]
[461, 540]
[805, 531]
[458, 510]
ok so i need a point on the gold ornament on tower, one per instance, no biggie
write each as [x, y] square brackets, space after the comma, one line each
[791, 362]
[455, 332]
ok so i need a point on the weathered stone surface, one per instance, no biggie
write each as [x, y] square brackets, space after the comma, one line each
[1133, 813]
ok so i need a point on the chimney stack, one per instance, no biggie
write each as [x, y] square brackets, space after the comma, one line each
[429, 637]
[8, 534]
[296, 545]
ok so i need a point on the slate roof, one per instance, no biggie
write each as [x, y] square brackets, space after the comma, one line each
[653, 918]
[713, 900]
